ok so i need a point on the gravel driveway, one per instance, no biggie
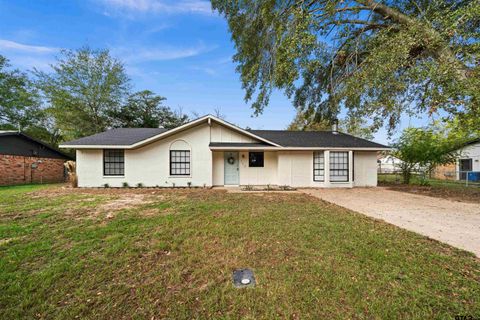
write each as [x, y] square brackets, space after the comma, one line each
[455, 223]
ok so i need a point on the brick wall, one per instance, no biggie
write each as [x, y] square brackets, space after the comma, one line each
[18, 170]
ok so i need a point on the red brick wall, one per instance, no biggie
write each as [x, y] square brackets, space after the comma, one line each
[18, 170]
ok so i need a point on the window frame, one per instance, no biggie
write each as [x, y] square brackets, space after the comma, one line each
[114, 162]
[261, 165]
[345, 162]
[189, 162]
[320, 163]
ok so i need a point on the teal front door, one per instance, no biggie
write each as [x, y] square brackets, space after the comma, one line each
[231, 168]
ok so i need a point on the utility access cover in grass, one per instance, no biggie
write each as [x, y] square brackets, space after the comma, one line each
[243, 278]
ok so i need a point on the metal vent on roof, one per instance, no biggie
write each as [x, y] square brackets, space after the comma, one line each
[243, 278]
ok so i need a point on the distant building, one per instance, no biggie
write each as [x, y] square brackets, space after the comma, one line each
[467, 164]
[387, 163]
[24, 159]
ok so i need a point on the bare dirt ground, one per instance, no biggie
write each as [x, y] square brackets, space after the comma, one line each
[452, 222]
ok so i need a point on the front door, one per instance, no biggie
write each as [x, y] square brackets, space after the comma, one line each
[465, 166]
[231, 168]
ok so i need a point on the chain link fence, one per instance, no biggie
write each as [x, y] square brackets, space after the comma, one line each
[440, 176]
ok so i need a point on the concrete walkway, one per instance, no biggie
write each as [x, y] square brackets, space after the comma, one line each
[452, 222]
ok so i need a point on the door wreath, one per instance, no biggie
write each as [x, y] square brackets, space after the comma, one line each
[231, 160]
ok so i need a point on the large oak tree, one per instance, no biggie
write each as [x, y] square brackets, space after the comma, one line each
[374, 58]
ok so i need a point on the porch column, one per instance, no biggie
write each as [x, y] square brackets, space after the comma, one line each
[326, 165]
[350, 167]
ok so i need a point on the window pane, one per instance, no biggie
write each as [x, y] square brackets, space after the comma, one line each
[338, 166]
[113, 162]
[318, 166]
[255, 159]
[180, 162]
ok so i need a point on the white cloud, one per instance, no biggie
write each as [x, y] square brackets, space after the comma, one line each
[8, 45]
[158, 6]
[26, 56]
[135, 54]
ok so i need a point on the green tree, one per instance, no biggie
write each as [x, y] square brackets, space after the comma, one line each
[427, 148]
[374, 58]
[310, 122]
[144, 109]
[83, 90]
[19, 101]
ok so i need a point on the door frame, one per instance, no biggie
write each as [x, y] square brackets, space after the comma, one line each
[225, 166]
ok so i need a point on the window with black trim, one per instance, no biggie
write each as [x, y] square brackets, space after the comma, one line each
[180, 162]
[113, 162]
[255, 159]
[338, 166]
[318, 166]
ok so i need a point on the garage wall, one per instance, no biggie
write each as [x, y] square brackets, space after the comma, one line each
[365, 169]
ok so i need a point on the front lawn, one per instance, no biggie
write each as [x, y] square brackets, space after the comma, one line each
[152, 254]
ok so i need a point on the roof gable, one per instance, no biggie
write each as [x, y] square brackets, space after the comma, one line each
[131, 138]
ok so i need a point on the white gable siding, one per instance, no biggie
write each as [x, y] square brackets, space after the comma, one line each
[224, 134]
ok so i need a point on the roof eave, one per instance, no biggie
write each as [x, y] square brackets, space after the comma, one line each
[301, 148]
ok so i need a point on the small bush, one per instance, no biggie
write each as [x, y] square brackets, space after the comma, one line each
[125, 185]
[189, 184]
[248, 187]
[139, 185]
[106, 185]
[423, 181]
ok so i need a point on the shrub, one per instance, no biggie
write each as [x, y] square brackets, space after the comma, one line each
[139, 185]
[125, 185]
[189, 184]
[106, 185]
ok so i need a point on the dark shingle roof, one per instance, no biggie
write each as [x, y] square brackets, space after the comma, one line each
[118, 137]
[315, 139]
[60, 154]
[306, 139]
[239, 144]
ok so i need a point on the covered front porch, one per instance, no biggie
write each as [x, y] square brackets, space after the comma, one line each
[296, 168]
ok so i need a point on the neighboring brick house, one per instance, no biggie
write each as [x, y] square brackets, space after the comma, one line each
[27, 160]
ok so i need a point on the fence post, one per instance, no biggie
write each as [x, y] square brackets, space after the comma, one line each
[466, 180]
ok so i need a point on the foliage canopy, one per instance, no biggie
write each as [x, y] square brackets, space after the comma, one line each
[376, 59]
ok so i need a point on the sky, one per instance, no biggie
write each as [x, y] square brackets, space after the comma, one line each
[179, 49]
